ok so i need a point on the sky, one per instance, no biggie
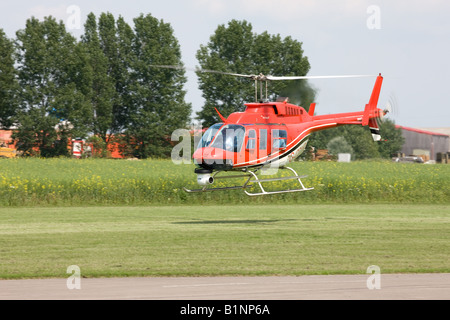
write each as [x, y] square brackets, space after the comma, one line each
[407, 41]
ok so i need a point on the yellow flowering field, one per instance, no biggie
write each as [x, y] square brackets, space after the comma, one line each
[62, 181]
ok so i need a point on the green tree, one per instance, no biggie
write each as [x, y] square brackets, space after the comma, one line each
[8, 82]
[339, 145]
[355, 136]
[236, 48]
[54, 77]
[158, 105]
[103, 91]
[36, 133]
[391, 139]
[116, 41]
[361, 141]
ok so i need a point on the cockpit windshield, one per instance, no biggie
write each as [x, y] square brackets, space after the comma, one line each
[229, 138]
[208, 136]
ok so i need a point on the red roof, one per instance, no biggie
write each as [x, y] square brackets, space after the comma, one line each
[421, 131]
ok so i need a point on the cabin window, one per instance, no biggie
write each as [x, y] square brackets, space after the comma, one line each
[279, 139]
[229, 138]
[251, 143]
[262, 139]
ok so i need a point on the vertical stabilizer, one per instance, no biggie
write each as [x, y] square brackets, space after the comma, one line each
[369, 110]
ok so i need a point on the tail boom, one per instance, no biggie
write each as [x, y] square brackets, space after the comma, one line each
[368, 117]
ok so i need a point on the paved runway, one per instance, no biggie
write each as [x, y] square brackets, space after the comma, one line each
[332, 287]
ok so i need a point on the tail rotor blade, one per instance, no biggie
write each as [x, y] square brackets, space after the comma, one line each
[390, 106]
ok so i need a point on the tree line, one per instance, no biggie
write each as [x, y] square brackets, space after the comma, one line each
[54, 87]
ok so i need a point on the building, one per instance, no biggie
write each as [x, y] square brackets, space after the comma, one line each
[5, 138]
[425, 142]
[77, 147]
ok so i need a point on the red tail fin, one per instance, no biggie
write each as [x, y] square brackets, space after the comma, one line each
[312, 107]
[373, 102]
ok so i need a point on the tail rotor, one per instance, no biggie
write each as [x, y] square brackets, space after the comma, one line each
[390, 106]
[374, 123]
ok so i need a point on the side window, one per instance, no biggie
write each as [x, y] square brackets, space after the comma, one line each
[262, 139]
[279, 138]
[251, 144]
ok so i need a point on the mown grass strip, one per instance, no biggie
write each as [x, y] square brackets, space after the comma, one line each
[219, 240]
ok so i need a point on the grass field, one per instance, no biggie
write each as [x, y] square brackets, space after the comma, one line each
[218, 240]
[131, 218]
[72, 182]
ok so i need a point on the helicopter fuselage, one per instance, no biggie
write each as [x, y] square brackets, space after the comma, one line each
[274, 133]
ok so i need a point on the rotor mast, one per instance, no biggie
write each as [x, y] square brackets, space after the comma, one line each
[260, 78]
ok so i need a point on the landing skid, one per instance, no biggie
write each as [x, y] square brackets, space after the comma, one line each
[248, 183]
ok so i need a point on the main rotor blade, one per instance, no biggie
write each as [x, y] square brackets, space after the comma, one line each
[259, 77]
[227, 73]
[274, 78]
[197, 69]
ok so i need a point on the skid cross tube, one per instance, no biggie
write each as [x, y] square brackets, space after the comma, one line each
[249, 176]
[264, 192]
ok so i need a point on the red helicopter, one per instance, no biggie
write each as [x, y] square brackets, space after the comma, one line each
[270, 135]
